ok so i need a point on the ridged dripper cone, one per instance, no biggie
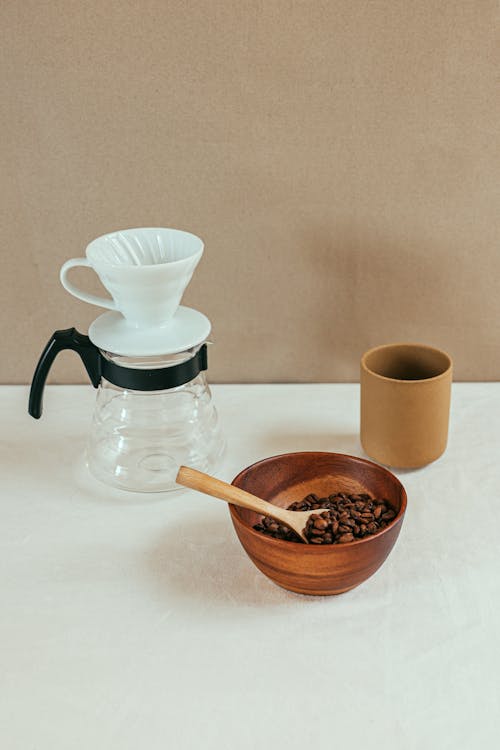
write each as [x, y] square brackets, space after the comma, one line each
[145, 270]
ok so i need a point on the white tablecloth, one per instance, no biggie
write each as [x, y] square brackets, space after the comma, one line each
[136, 622]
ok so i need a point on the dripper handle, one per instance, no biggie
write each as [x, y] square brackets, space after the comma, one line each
[92, 299]
[69, 338]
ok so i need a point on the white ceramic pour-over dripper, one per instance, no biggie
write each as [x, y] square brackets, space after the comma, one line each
[146, 271]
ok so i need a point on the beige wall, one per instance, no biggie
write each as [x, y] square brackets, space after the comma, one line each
[340, 160]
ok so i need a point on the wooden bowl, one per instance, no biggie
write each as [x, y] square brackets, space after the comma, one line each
[311, 569]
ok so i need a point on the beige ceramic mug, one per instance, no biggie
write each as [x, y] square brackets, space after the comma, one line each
[405, 404]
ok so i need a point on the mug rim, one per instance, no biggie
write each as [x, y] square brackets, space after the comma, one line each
[409, 345]
[199, 251]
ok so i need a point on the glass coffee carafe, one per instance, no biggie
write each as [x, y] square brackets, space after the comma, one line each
[148, 360]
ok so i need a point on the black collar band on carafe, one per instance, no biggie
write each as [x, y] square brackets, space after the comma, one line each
[98, 366]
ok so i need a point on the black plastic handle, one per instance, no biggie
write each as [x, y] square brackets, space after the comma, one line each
[60, 340]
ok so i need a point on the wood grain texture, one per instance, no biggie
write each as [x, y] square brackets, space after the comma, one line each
[307, 569]
[340, 161]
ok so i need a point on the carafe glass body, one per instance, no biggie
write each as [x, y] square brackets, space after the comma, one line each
[139, 438]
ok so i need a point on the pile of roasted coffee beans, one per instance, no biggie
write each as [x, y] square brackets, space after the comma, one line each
[346, 519]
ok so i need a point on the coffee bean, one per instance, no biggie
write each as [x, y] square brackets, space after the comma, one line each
[344, 538]
[320, 523]
[312, 498]
[344, 518]
[315, 531]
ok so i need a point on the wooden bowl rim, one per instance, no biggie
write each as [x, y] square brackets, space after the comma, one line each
[324, 548]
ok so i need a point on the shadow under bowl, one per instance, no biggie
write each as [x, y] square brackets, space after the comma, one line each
[316, 569]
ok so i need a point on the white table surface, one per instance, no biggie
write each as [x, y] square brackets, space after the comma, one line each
[136, 622]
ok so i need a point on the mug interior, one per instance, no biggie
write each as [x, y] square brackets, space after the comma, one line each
[146, 246]
[406, 362]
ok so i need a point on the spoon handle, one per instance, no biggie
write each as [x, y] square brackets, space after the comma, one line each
[197, 480]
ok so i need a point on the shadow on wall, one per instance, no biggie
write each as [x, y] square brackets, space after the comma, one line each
[372, 289]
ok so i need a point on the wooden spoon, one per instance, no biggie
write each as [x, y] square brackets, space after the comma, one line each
[197, 480]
